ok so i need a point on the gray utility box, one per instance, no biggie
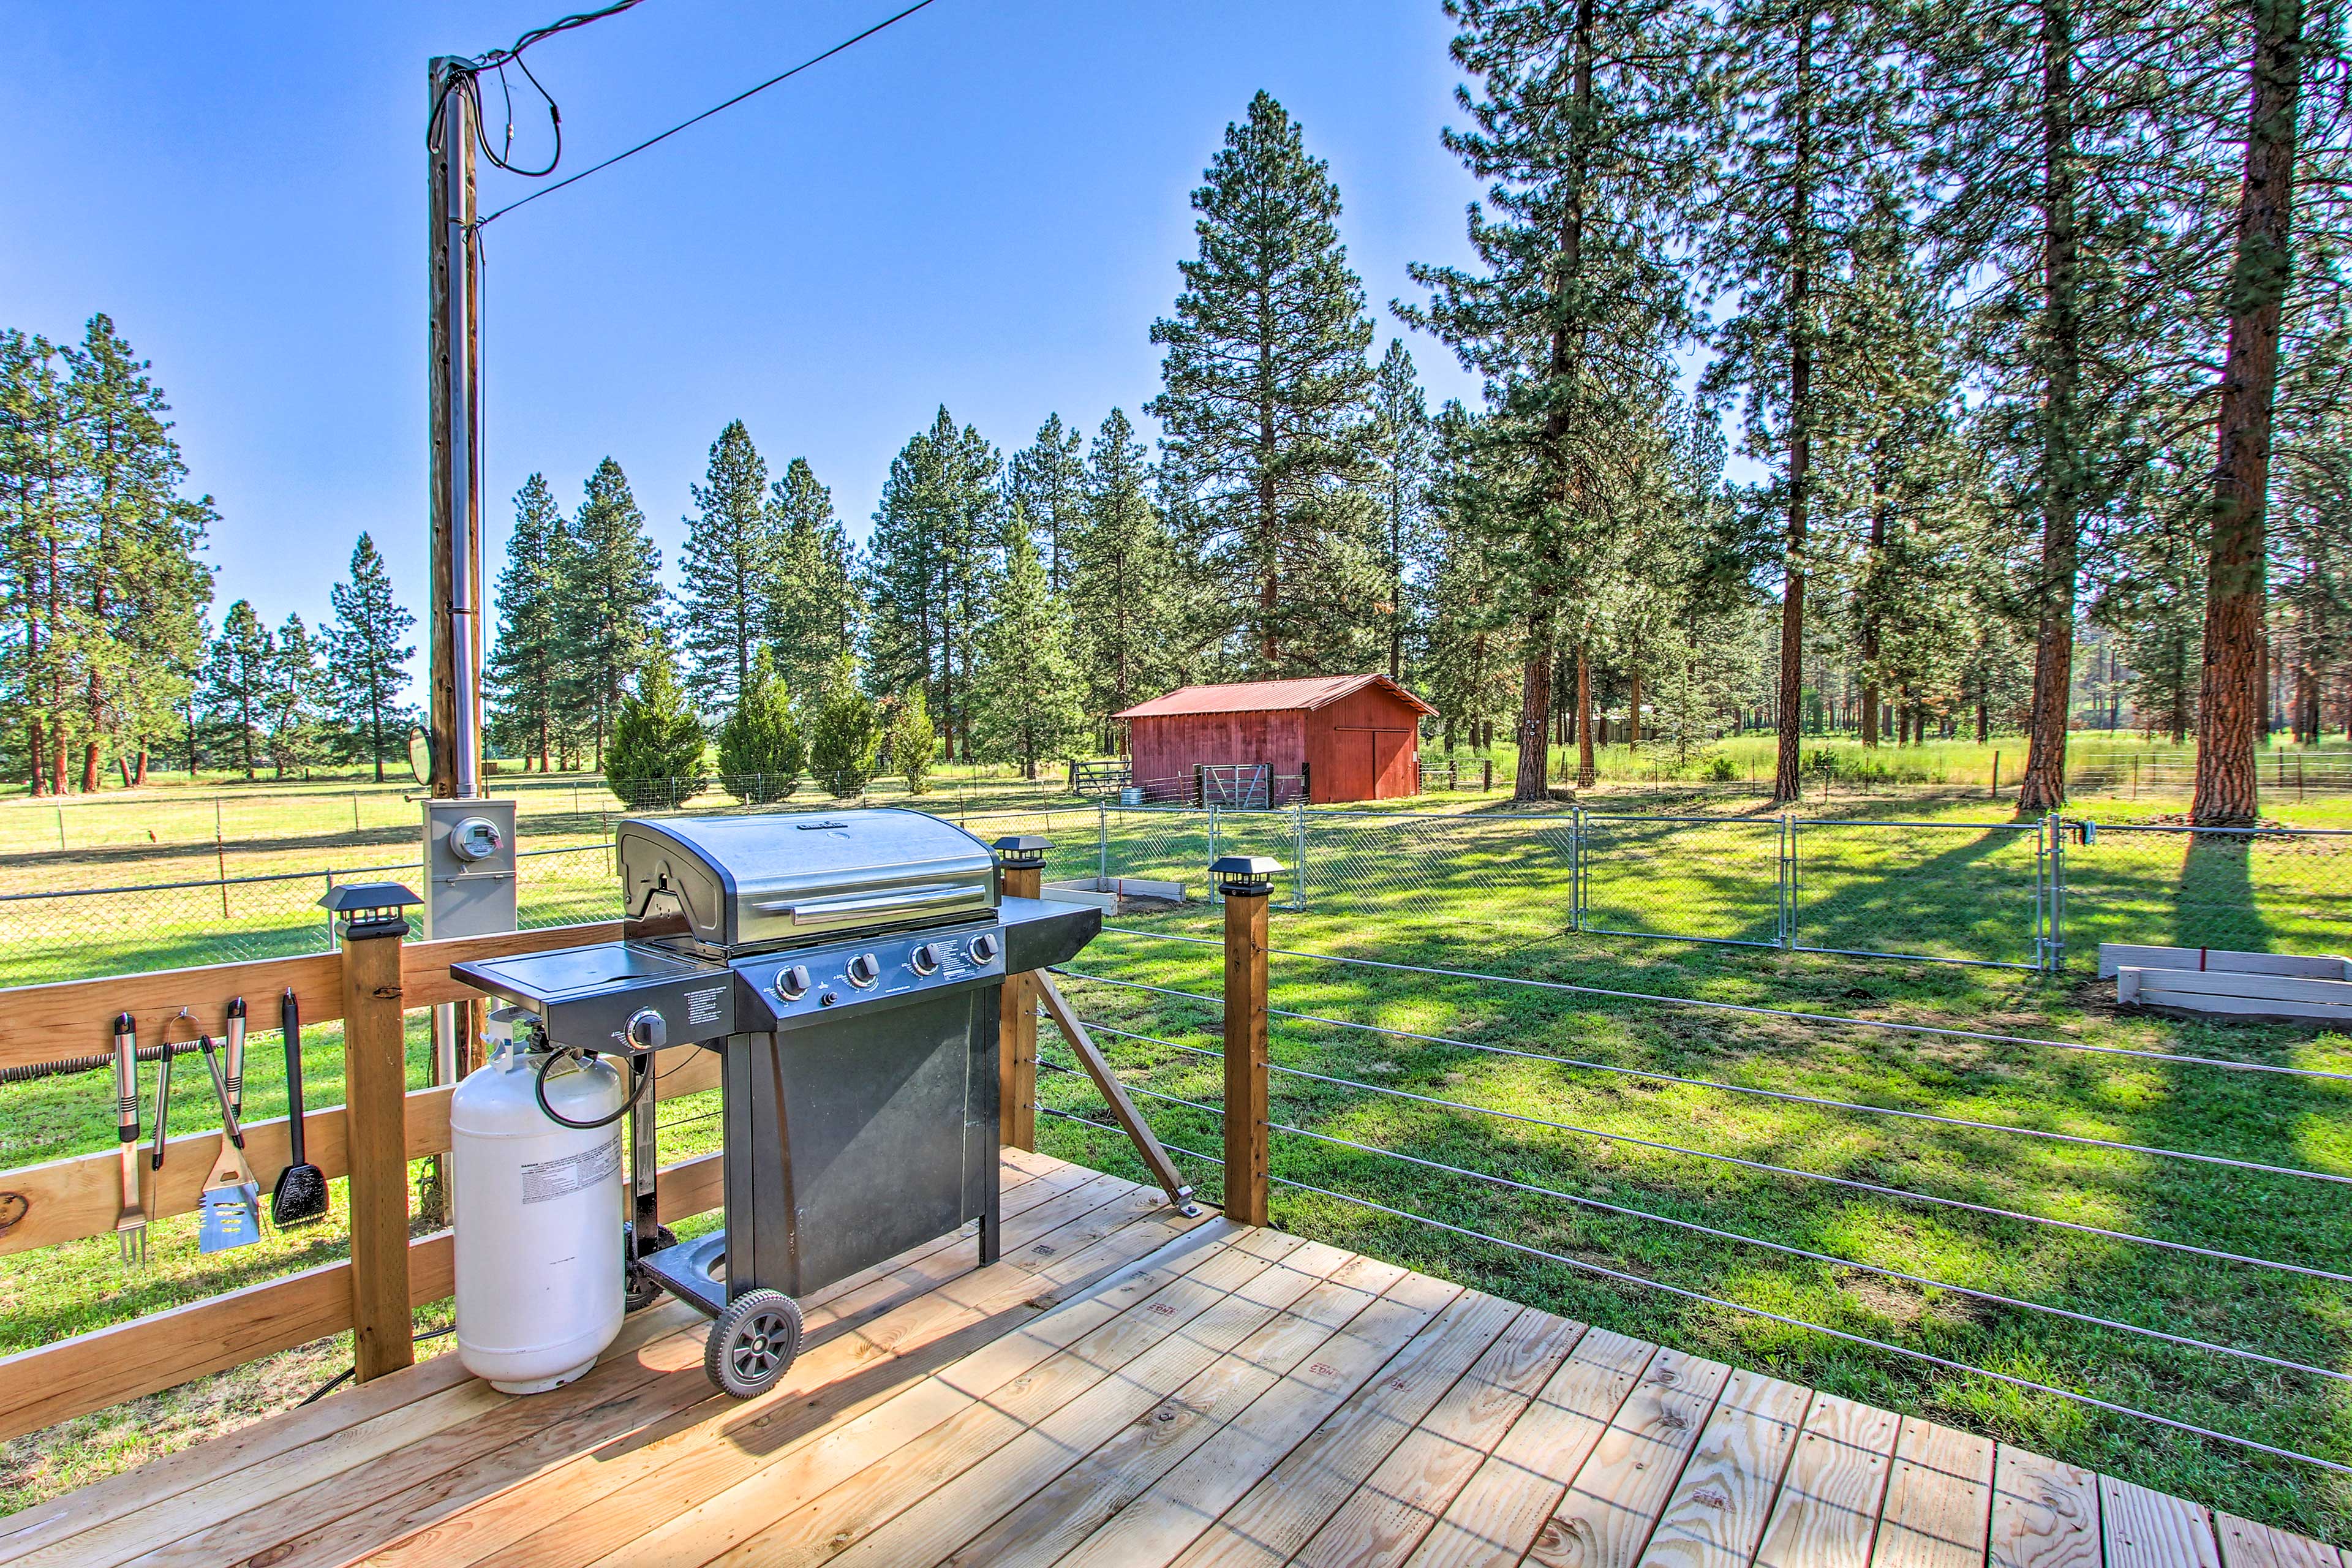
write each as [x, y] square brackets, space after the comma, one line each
[470, 867]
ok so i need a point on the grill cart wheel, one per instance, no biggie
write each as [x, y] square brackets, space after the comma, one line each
[641, 1290]
[755, 1340]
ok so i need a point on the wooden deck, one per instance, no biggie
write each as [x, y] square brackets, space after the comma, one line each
[1128, 1387]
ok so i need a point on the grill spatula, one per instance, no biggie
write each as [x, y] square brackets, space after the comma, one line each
[231, 1215]
[300, 1195]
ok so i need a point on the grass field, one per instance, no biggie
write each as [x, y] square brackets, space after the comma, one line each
[1475, 891]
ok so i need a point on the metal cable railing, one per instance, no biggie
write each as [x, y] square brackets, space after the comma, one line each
[1940, 1031]
[1622, 1276]
[1851, 1184]
[1821, 1102]
[2085, 1319]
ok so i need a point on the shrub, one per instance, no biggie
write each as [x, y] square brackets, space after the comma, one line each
[844, 731]
[1719, 769]
[760, 751]
[655, 760]
[913, 741]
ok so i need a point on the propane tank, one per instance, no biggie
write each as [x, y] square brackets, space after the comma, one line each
[539, 1210]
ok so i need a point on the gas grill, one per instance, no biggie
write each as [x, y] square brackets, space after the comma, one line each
[847, 966]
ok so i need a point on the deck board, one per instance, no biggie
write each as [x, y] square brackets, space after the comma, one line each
[1131, 1387]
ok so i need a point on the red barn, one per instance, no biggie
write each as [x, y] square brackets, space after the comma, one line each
[1349, 737]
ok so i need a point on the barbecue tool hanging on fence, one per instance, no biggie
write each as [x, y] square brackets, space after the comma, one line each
[163, 1127]
[232, 1198]
[130, 1221]
[300, 1195]
[237, 1055]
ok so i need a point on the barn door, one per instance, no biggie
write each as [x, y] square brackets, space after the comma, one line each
[1392, 767]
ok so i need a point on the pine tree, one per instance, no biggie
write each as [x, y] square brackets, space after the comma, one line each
[761, 753]
[1125, 588]
[610, 605]
[914, 744]
[1045, 481]
[2055, 159]
[655, 760]
[845, 730]
[142, 589]
[292, 702]
[1809, 85]
[733, 566]
[39, 463]
[239, 674]
[526, 666]
[367, 666]
[1402, 444]
[1027, 702]
[1579, 120]
[931, 563]
[815, 610]
[1263, 402]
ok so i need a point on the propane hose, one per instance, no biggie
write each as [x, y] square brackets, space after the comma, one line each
[538, 1090]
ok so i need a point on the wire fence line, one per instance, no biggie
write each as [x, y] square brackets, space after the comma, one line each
[1347, 1098]
[2017, 895]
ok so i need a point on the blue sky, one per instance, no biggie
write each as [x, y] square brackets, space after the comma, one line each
[983, 205]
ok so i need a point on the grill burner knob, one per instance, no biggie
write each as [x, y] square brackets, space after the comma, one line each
[794, 983]
[647, 1030]
[864, 971]
[983, 948]
[925, 959]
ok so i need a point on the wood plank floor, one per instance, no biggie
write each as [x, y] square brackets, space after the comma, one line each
[1130, 1387]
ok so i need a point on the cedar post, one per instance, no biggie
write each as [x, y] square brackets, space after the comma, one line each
[1020, 862]
[1243, 881]
[375, 1082]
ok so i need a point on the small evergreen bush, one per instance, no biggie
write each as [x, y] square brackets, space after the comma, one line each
[655, 760]
[844, 733]
[760, 751]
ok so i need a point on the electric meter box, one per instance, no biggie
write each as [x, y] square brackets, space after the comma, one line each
[470, 867]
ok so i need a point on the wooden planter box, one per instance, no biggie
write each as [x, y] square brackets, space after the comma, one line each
[2215, 979]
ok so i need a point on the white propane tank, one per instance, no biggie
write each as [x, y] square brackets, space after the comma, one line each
[539, 1213]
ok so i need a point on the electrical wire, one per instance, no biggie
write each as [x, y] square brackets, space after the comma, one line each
[696, 119]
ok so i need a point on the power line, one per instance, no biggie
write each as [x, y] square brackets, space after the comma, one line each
[715, 109]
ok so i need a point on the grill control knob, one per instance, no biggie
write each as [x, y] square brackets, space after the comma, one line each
[864, 971]
[794, 983]
[925, 959]
[647, 1030]
[983, 948]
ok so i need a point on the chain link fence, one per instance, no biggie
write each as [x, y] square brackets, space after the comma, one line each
[2017, 895]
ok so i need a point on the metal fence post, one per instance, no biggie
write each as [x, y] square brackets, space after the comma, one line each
[2057, 943]
[1102, 846]
[1576, 868]
[1788, 880]
[1298, 854]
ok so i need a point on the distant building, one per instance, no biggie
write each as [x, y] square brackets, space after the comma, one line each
[1258, 742]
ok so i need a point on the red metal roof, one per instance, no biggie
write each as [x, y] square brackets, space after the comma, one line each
[1267, 696]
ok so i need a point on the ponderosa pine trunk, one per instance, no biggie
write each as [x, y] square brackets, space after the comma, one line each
[1786, 782]
[2043, 786]
[2232, 696]
[1585, 771]
[1536, 676]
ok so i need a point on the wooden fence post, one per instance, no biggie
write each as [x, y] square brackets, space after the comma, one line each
[375, 1083]
[1244, 880]
[1020, 861]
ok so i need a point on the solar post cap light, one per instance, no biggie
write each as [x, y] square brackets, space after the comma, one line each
[1245, 876]
[369, 909]
[1020, 851]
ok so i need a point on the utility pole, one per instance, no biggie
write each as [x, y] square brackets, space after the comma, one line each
[453, 374]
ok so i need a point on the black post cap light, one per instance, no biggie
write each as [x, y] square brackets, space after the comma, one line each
[1022, 851]
[370, 909]
[1244, 876]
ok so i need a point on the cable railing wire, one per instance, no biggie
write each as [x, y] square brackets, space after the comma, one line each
[1136, 1088]
[1964, 1122]
[1926, 1282]
[1851, 1184]
[1701, 1297]
[1940, 1031]
[1044, 1110]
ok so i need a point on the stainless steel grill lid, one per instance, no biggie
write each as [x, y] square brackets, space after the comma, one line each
[721, 886]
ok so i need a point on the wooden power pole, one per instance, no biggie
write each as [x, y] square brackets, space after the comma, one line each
[453, 375]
